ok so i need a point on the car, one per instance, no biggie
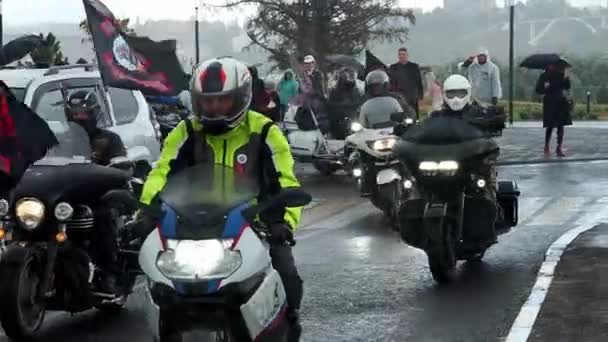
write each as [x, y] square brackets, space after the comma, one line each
[125, 112]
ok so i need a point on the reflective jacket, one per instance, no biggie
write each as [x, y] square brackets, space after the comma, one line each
[242, 149]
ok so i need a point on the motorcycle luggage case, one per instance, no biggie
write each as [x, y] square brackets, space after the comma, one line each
[508, 198]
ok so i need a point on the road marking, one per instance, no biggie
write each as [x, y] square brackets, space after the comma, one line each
[531, 206]
[560, 211]
[337, 221]
[524, 323]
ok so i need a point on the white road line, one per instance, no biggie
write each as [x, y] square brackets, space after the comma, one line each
[337, 221]
[524, 323]
[560, 211]
[529, 206]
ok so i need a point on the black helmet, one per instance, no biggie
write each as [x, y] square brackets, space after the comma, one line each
[83, 102]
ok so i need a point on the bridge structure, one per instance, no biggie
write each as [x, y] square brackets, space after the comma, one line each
[538, 28]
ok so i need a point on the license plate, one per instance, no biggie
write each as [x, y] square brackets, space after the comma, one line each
[265, 304]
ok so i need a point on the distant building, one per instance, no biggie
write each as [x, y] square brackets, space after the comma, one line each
[476, 5]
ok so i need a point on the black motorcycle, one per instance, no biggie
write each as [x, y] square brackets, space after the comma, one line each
[53, 216]
[448, 212]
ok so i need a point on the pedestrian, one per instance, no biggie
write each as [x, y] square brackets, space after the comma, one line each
[317, 80]
[554, 83]
[406, 79]
[260, 98]
[288, 88]
[484, 76]
[434, 91]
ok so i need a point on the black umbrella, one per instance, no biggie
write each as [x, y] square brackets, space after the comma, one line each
[541, 61]
[19, 48]
[345, 60]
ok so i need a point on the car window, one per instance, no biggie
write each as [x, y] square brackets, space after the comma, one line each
[19, 93]
[124, 104]
[50, 106]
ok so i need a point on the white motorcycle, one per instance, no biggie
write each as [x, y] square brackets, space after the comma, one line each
[372, 163]
[309, 144]
[207, 264]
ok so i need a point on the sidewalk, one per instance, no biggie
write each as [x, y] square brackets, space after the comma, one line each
[576, 306]
[525, 142]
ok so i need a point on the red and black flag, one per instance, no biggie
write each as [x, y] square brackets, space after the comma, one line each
[24, 137]
[133, 62]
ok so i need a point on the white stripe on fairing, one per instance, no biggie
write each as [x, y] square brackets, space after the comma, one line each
[524, 323]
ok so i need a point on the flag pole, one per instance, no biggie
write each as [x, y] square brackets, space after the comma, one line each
[196, 36]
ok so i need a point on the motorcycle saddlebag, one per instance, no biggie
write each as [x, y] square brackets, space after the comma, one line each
[411, 223]
[508, 198]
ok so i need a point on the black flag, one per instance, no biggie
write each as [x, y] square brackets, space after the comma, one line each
[372, 63]
[24, 138]
[133, 62]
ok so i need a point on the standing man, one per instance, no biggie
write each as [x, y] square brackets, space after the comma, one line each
[316, 77]
[407, 80]
[485, 78]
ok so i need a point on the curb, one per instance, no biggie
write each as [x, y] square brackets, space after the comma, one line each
[524, 323]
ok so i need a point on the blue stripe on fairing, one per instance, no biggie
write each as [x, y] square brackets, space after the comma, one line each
[235, 221]
[204, 287]
[168, 225]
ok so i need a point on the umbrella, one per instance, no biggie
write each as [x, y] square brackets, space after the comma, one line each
[19, 48]
[345, 60]
[541, 61]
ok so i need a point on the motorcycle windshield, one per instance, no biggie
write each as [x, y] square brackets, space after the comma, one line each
[74, 145]
[444, 138]
[204, 197]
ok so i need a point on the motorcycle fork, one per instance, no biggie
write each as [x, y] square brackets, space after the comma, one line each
[47, 276]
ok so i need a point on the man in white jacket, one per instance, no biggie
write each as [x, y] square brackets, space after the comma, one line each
[484, 77]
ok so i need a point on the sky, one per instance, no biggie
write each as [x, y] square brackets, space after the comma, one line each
[23, 12]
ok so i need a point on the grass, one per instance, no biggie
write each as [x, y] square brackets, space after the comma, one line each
[533, 111]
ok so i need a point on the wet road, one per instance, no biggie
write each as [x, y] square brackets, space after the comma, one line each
[363, 284]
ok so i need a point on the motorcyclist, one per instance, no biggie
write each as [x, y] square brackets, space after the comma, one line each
[82, 107]
[344, 100]
[458, 104]
[226, 131]
[380, 103]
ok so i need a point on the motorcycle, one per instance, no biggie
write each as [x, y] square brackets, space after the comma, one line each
[308, 142]
[50, 215]
[209, 274]
[371, 161]
[448, 211]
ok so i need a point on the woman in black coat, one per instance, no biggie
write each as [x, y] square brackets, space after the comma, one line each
[553, 84]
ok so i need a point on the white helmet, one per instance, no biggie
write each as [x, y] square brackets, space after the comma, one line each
[309, 59]
[457, 92]
[221, 77]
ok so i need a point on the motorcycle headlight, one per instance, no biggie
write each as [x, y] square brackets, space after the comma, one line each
[409, 121]
[356, 127]
[63, 211]
[445, 168]
[384, 144]
[201, 260]
[30, 213]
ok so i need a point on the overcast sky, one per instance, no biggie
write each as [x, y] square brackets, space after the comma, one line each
[19, 12]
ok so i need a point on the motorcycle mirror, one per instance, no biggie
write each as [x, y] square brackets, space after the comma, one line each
[398, 116]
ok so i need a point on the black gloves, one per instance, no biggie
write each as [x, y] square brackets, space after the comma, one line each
[280, 233]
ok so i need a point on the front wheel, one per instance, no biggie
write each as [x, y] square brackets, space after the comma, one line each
[170, 333]
[442, 257]
[22, 311]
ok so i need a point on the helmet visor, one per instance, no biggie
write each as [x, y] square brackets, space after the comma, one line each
[456, 93]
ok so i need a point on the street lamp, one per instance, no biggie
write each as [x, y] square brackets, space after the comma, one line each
[196, 37]
[511, 4]
[1, 24]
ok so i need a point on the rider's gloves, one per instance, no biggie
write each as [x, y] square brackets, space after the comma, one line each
[280, 233]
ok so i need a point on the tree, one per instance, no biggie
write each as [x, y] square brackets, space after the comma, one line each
[123, 25]
[49, 52]
[323, 27]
